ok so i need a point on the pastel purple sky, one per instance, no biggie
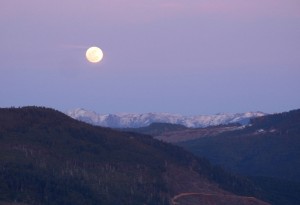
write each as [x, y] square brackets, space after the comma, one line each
[188, 57]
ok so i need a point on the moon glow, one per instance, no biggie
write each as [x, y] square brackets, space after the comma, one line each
[94, 54]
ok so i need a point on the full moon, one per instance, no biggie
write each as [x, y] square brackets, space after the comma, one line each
[94, 54]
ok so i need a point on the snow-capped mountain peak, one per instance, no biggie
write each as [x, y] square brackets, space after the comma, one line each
[125, 120]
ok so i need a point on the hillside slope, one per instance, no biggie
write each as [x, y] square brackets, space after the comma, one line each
[268, 151]
[270, 147]
[48, 158]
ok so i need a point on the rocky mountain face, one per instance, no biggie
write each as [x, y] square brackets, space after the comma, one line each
[143, 120]
[47, 157]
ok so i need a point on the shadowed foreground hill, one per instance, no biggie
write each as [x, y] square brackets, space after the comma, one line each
[270, 147]
[268, 151]
[49, 158]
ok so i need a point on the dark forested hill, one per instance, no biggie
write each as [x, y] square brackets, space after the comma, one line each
[269, 147]
[268, 150]
[49, 158]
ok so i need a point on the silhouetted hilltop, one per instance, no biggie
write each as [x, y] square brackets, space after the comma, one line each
[48, 158]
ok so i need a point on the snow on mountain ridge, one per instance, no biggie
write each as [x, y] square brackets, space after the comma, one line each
[123, 120]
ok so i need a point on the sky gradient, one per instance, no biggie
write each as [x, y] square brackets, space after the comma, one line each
[187, 57]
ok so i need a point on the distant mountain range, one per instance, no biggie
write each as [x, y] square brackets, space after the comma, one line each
[142, 120]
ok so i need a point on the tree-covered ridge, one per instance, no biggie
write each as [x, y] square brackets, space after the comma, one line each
[268, 150]
[286, 122]
[156, 129]
[48, 158]
[269, 147]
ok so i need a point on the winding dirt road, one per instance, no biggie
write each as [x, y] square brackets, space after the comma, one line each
[188, 194]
